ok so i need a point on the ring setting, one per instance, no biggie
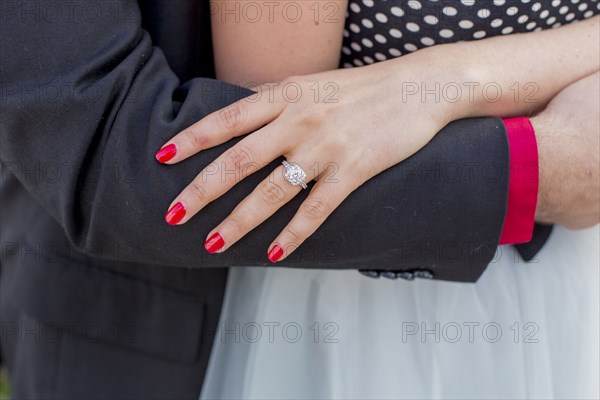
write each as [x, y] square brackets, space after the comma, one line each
[294, 174]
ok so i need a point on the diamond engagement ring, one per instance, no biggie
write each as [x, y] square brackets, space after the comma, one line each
[294, 174]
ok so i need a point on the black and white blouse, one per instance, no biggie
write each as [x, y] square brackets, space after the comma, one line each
[377, 30]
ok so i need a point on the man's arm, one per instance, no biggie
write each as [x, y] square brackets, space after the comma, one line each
[568, 135]
[88, 97]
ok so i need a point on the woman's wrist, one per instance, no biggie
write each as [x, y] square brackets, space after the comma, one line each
[441, 80]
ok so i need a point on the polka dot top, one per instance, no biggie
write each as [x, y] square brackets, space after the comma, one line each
[377, 30]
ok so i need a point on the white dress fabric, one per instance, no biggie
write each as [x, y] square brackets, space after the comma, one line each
[524, 330]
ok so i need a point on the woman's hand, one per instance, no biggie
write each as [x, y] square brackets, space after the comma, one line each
[342, 127]
[345, 126]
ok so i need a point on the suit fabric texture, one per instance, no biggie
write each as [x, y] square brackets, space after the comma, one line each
[100, 298]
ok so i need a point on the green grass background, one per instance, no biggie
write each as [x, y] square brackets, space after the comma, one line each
[4, 387]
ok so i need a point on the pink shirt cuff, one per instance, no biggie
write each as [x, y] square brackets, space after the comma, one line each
[523, 182]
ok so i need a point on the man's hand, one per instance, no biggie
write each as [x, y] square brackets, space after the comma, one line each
[568, 133]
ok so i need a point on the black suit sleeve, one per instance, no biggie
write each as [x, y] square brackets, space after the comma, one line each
[87, 101]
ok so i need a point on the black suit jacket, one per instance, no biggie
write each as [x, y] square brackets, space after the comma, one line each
[87, 99]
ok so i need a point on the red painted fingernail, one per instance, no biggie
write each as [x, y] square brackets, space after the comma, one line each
[214, 243]
[175, 214]
[275, 253]
[166, 153]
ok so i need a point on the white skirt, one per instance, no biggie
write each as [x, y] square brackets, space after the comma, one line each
[524, 330]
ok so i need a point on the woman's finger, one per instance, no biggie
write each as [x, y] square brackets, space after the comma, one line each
[270, 195]
[237, 119]
[246, 157]
[325, 197]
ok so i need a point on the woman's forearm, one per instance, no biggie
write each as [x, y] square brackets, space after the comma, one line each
[370, 126]
[503, 76]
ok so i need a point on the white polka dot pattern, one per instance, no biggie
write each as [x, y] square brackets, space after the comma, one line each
[377, 30]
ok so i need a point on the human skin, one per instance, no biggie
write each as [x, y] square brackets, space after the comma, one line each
[374, 122]
[568, 136]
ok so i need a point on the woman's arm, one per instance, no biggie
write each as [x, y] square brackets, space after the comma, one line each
[528, 69]
[383, 114]
[502, 76]
[259, 42]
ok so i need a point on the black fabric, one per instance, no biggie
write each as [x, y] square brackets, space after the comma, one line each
[109, 195]
[86, 101]
[70, 367]
[181, 29]
[380, 30]
[541, 233]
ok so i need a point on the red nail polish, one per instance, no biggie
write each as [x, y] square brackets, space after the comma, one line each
[275, 253]
[166, 153]
[175, 214]
[214, 243]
